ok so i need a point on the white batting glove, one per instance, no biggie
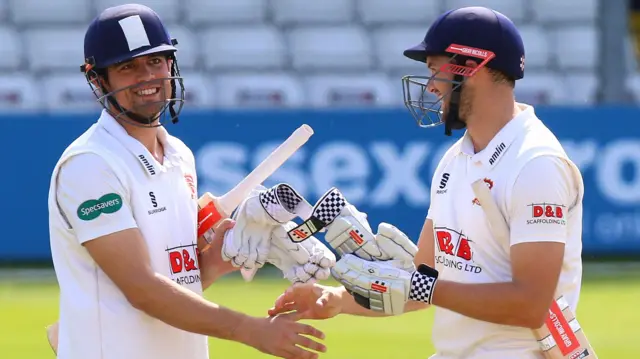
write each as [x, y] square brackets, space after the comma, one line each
[247, 244]
[333, 214]
[381, 287]
[349, 232]
[396, 247]
[302, 262]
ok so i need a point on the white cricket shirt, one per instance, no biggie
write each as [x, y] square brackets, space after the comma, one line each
[107, 181]
[539, 191]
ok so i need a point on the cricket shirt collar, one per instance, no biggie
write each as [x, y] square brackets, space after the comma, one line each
[493, 153]
[140, 152]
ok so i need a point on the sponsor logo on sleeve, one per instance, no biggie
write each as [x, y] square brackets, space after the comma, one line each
[547, 213]
[93, 208]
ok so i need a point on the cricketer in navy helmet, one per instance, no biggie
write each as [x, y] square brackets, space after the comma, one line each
[123, 216]
[487, 295]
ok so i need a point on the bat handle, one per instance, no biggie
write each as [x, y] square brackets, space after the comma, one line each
[208, 218]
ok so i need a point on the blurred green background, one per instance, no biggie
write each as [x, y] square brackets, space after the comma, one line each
[607, 310]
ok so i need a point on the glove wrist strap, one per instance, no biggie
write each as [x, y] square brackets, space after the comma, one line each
[282, 203]
[423, 282]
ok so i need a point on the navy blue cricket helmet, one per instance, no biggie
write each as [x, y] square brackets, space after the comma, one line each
[120, 34]
[470, 33]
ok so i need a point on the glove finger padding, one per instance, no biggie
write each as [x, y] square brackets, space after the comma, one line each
[296, 252]
[375, 285]
[396, 246]
[290, 270]
[300, 262]
[348, 235]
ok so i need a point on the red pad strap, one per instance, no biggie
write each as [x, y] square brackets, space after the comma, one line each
[208, 216]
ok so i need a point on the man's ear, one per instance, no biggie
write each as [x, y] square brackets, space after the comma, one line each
[471, 63]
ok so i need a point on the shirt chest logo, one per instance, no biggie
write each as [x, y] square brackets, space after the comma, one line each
[184, 264]
[489, 184]
[154, 204]
[443, 184]
[455, 250]
[191, 184]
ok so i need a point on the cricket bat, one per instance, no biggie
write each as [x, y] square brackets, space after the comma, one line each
[212, 209]
[561, 337]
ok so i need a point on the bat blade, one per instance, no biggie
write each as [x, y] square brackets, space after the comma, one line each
[223, 206]
[232, 199]
[561, 337]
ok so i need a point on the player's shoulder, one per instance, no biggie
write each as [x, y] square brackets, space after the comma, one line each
[81, 164]
[95, 138]
[537, 137]
[89, 152]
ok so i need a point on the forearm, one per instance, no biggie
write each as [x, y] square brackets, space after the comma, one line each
[500, 303]
[349, 306]
[208, 274]
[179, 307]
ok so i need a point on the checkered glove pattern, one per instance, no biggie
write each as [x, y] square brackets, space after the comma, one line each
[381, 287]
[300, 262]
[282, 203]
[248, 243]
[326, 210]
[423, 281]
[350, 233]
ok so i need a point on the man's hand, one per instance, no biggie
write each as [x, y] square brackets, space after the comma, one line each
[282, 336]
[302, 262]
[309, 301]
[212, 265]
[247, 245]
[382, 287]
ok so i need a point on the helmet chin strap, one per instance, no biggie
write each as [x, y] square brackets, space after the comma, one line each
[134, 117]
[452, 120]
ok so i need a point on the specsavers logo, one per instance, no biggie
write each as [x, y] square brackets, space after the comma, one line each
[93, 208]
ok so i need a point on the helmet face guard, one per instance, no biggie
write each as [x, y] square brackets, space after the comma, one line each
[426, 108]
[163, 110]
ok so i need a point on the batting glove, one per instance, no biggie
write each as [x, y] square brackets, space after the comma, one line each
[349, 232]
[381, 287]
[302, 262]
[248, 243]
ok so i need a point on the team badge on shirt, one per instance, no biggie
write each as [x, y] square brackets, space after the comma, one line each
[191, 184]
[489, 184]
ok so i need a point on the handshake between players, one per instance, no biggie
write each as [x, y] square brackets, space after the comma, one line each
[376, 269]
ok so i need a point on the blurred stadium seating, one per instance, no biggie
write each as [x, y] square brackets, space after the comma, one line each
[291, 53]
